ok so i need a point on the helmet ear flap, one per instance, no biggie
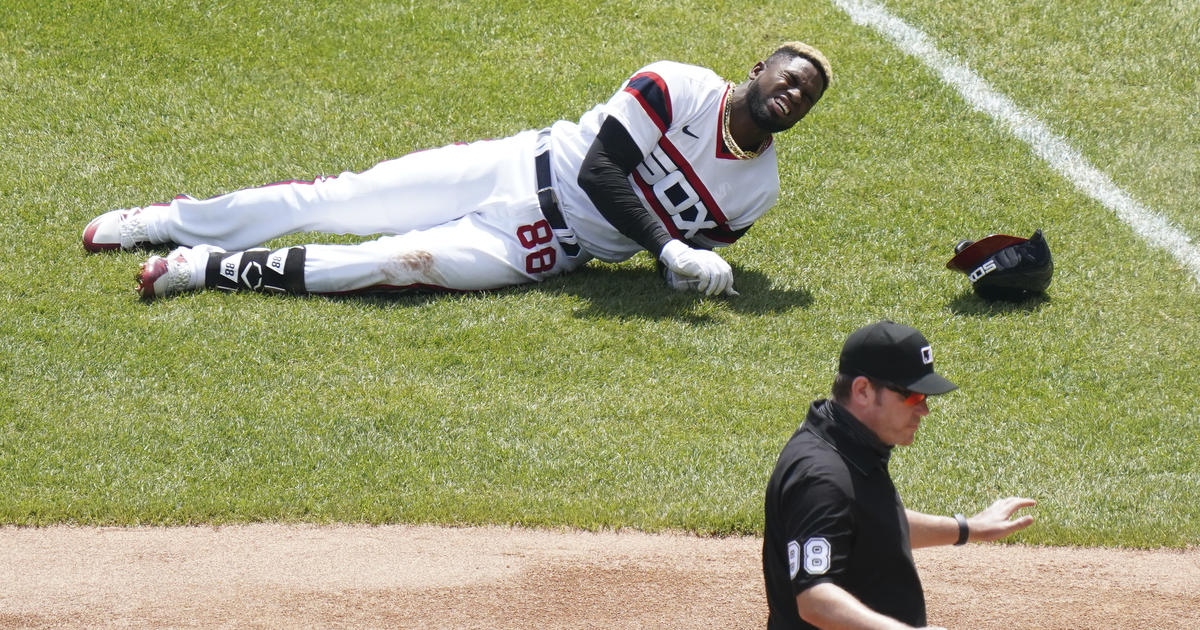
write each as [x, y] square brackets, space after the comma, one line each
[1004, 267]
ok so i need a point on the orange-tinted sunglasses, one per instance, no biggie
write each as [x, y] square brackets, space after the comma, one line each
[911, 398]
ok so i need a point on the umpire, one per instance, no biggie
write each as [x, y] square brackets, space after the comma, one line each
[837, 549]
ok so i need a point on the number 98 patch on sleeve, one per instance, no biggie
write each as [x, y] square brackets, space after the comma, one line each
[815, 558]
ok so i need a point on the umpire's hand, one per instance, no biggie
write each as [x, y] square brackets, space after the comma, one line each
[996, 521]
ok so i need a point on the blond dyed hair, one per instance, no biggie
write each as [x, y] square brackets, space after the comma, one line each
[801, 49]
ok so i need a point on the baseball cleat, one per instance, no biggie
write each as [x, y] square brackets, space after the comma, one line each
[179, 271]
[116, 229]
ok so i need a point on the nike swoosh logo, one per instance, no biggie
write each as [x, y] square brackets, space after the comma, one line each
[688, 132]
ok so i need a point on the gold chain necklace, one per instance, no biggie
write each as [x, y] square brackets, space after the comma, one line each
[733, 147]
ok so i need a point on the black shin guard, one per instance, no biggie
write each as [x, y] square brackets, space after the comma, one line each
[259, 269]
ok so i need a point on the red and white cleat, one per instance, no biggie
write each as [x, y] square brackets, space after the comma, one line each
[179, 271]
[116, 229]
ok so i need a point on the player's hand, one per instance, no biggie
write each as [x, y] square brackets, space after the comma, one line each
[996, 521]
[713, 274]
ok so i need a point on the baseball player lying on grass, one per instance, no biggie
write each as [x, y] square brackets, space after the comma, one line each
[677, 162]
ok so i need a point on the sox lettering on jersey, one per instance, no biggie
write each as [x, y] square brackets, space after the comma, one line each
[667, 181]
[695, 189]
[675, 194]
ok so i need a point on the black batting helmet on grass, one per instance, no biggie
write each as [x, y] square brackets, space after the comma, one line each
[1003, 267]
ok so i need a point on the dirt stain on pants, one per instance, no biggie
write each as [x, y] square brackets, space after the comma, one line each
[410, 267]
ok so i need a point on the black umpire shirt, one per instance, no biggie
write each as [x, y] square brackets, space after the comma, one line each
[833, 515]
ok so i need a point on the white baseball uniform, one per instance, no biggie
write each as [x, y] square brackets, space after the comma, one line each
[469, 216]
[689, 180]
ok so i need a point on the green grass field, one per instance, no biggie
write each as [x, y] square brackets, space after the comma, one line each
[599, 400]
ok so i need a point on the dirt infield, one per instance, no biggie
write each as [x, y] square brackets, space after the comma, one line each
[262, 576]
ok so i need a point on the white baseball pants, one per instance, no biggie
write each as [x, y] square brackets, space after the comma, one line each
[460, 217]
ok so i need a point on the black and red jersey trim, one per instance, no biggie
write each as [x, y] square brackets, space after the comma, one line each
[719, 236]
[651, 92]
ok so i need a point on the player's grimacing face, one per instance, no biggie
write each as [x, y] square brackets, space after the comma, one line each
[782, 90]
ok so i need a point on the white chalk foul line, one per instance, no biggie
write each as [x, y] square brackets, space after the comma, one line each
[1148, 224]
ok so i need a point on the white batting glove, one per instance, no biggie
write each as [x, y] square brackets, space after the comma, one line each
[713, 274]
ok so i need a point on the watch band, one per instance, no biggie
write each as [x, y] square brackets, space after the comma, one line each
[964, 532]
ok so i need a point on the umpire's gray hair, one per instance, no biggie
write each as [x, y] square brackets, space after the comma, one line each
[808, 52]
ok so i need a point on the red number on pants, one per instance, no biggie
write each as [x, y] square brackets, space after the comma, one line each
[541, 260]
[531, 236]
[537, 234]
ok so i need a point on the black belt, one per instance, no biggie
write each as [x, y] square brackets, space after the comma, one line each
[549, 202]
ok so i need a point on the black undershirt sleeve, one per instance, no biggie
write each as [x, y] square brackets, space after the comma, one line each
[604, 176]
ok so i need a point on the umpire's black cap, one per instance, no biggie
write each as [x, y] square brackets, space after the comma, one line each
[895, 354]
[1003, 267]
